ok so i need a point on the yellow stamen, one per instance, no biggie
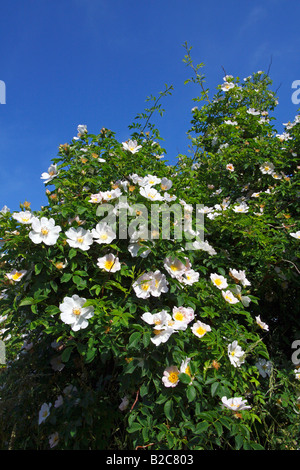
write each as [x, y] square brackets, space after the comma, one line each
[145, 286]
[179, 316]
[201, 330]
[76, 311]
[108, 264]
[16, 276]
[173, 377]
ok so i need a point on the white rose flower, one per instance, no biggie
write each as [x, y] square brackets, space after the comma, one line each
[96, 198]
[74, 314]
[165, 184]
[109, 195]
[24, 217]
[79, 238]
[240, 276]
[295, 234]
[229, 297]
[261, 324]
[44, 412]
[264, 367]
[160, 284]
[132, 146]
[235, 403]
[168, 197]
[237, 290]
[53, 439]
[109, 263]
[144, 285]
[150, 193]
[227, 86]
[81, 130]
[103, 233]
[124, 403]
[183, 315]
[267, 168]
[229, 167]
[158, 319]
[16, 275]
[134, 248]
[50, 174]
[253, 112]
[219, 281]
[150, 180]
[162, 336]
[235, 354]
[200, 329]
[44, 231]
[175, 267]
[241, 208]
[171, 376]
[185, 368]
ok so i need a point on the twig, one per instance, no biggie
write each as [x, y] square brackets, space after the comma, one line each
[268, 72]
[292, 264]
[144, 447]
[136, 399]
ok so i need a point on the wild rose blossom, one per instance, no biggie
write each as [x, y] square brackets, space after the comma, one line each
[235, 403]
[171, 376]
[74, 314]
[79, 238]
[44, 231]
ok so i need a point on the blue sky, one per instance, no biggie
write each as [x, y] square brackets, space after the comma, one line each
[94, 62]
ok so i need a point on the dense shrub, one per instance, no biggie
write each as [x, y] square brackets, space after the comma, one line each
[129, 328]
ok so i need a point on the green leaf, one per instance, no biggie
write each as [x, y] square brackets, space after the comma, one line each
[66, 354]
[90, 355]
[134, 339]
[191, 393]
[201, 427]
[52, 309]
[146, 338]
[72, 253]
[27, 301]
[134, 427]
[37, 268]
[54, 286]
[219, 428]
[184, 378]
[214, 388]
[256, 446]
[117, 285]
[144, 389]
[238, 441]
[66, 277]
[169, 410]
[80, 283]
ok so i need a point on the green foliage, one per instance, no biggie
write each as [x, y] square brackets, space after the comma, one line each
[97, 366]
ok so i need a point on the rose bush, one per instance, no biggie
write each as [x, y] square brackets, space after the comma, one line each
[151, 305]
